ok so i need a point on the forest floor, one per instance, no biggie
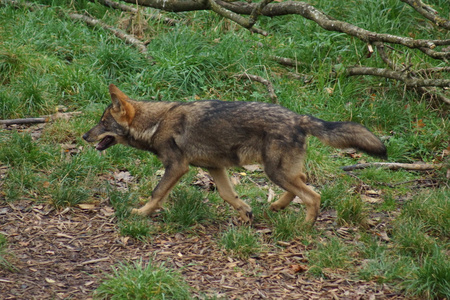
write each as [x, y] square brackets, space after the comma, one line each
[65, 254]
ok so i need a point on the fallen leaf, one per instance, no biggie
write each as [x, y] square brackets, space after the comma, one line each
[270, 195]
[298, 268]
[253, 168]
[87, 206]
[383, 235]
[204, 180]
[49, 280]
[420, 123]
[235, 179]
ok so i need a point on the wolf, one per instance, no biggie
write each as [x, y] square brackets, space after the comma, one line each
[216, 135]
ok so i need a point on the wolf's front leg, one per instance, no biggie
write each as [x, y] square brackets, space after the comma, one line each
[228, 194]
[171, 176]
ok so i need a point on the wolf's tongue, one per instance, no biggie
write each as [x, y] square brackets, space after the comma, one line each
[104, 143]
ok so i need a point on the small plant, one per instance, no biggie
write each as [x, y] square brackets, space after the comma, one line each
[351, 210]
[19, 181]
[432, 279]
[411, 237]
[386, 267]
[331, 254]
[433, 209]
[139, 281]
[187, 208]
[287, 224]
[241, 242]
[136, 227]
[69, 194]
[19, 149]
[5, 254]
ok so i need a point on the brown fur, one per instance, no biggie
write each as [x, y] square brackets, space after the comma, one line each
[215, 135]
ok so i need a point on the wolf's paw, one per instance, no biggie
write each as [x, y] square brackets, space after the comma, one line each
[275, 207]
[136, 211]
[140, 211]
[246, 214]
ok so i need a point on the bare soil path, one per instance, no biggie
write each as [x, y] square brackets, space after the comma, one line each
[65, 254]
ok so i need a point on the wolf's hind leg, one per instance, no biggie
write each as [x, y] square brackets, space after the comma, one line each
[286, 198]
[226, 191]
[171, 176]
[295, 186]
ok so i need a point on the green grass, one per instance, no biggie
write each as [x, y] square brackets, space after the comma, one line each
[187, 208]
[5, 255]
[432, 277]
[241, 242]
[143, 281]
[47, 60]
[331, 253]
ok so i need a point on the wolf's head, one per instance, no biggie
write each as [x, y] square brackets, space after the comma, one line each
[113, 127]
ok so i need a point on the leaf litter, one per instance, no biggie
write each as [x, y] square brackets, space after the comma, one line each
[65, 254]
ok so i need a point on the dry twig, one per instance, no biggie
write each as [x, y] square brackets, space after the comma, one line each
[267, 83]
[43, 119]
[133, 10]
[394, 166]
[129, 39]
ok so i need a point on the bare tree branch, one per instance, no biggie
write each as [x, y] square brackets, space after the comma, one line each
[399, 75]
[129, 39]
[133, 10]
[287, 61]
[292, 7]
[428, 13]
[394, 166]
[267, 83]
[43, 119]
[422, 80]
[246, 23]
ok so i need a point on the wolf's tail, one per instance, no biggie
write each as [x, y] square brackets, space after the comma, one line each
[344, 135]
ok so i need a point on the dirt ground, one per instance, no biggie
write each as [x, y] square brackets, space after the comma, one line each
[65, 254]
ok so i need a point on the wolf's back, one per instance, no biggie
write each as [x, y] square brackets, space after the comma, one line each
[344, 135]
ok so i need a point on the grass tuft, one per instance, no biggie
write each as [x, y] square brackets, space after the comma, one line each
[143, 281]
[431, 280]
[187, 207]
[5, 255]
[241, 242]
[332, 253]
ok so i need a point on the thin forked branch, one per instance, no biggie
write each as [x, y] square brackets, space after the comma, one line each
[428, 13]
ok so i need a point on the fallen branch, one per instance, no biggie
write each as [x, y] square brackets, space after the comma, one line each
[129, 39]
[24, 121]
[244, 22]
[20, 4]
[394, 166]
[287, 61]
[267, 83]
[399, 75]
[124, 7]
[44, 119]
[233, 10]
[428, 13]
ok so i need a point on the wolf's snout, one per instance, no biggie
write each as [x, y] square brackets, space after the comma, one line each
[85, 136]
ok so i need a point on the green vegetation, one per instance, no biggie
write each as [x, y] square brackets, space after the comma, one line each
[5, 255]
[143, 281]
[241, 242]
[401, 238]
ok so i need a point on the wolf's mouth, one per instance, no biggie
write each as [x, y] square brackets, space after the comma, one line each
[106, 142]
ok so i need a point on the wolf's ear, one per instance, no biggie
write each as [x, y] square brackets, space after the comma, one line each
[123, 110]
